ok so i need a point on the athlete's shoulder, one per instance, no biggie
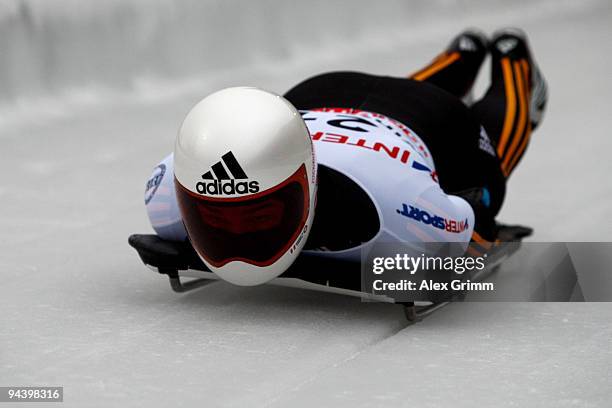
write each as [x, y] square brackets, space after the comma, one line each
[393, 167]
[369, 135]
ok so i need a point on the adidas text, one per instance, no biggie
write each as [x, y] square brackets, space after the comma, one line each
[227, 187]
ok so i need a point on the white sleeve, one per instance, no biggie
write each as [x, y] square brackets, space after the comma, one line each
[160, 200]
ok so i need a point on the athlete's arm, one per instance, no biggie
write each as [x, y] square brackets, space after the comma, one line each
[441, 217]
[160, 200]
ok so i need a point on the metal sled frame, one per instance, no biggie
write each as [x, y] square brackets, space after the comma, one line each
[414, 311]
[179, 261]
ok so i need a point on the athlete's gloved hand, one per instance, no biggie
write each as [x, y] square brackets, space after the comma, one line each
[480, 201]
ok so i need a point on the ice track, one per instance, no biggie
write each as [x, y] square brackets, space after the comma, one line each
[79, 309]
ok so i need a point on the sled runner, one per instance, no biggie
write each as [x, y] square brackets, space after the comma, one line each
[178, 261]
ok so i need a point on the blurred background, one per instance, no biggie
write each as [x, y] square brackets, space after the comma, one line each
[91, 96]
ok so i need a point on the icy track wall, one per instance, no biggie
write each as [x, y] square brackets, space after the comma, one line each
[55, 48]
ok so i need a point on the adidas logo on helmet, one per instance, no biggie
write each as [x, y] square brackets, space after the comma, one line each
[224, 184]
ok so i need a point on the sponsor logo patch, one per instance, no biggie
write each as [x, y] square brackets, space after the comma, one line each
[484, 143]
[154, 182]
[394, 152]
[415, 213]
[226, 177]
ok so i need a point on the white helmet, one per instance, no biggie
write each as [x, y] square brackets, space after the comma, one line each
[245, 183]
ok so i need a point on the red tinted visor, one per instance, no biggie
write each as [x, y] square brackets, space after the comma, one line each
[257, 229]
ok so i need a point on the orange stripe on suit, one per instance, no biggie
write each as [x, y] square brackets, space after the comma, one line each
[437, 65]
[527, 136]
[510, 106]
[520, 128]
